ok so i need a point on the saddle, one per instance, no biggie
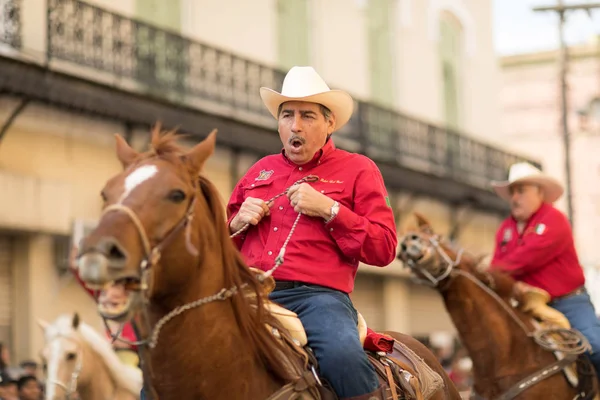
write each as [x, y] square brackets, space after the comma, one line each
[402, 373]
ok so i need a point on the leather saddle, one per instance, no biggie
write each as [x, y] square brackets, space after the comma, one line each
[403, 374]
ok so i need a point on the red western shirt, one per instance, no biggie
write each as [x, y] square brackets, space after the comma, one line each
[318, 253]
[543, 255]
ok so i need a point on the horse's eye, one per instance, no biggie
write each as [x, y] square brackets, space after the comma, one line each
[71, 356]
[103, 195]
[176, 196]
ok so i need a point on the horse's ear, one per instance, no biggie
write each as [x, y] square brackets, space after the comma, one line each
[125, 153]
[42, 324]
[422, 222]
[197, 155]
[76, 321]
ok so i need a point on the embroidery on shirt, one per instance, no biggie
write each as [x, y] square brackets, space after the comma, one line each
[330, 181]
[507, 236]
[540, 229]
[264, 175]
[387, 201]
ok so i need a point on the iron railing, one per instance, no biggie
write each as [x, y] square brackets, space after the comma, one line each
[10, 22]
[165, 62]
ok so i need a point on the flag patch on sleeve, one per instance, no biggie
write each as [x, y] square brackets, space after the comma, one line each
[540, 229]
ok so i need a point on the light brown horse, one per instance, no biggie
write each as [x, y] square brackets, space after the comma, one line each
[163, 233]
[77, 359]
[497, 336]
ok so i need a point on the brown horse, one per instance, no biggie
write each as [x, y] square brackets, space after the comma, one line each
[163, 234]
[498, 337]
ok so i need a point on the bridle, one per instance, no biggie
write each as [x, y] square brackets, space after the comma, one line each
[430, 280]
[71, 387]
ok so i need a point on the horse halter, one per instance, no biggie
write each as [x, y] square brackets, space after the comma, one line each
[434, 281]
[71, 387]
[153, 254]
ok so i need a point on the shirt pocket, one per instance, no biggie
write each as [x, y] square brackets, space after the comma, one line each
[259, 190]
[335, 192]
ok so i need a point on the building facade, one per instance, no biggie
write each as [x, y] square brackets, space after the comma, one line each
[72, 73]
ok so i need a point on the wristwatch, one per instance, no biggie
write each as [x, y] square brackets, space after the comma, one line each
[335, 209]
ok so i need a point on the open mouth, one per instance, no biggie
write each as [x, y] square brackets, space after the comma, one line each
[118, 305]
[296, 143]
[425, 255]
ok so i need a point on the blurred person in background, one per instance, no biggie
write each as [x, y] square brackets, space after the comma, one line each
[29, 388]
[8, 387]
[112, 296]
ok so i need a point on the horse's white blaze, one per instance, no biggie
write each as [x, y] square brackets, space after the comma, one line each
[53, 364]
[136, 178]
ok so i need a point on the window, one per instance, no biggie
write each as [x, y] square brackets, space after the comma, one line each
[293, 33]
[380, 51]
[451, 59]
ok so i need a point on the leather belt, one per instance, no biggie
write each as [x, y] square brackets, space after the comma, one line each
[283, 285]
[576, 292]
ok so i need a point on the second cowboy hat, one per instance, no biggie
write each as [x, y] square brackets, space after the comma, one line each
[526, 173]
[304, 84]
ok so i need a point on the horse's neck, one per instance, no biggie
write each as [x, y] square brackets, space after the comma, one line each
[490, 336]
[207, 342]
[98, 383]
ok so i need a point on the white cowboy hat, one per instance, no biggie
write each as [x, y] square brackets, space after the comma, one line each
[304, 84]
[526, 173]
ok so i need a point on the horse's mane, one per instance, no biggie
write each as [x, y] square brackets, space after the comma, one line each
[126, 377]
[251, 318]
[503, 284]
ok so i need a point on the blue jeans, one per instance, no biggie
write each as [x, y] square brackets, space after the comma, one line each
[579, 310]
[330, 322]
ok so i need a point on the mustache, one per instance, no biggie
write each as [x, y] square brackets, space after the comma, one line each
[298, 138]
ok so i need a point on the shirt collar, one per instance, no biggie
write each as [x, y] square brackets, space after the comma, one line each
[327, 149]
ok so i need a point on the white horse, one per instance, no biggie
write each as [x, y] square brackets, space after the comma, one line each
[80, 361]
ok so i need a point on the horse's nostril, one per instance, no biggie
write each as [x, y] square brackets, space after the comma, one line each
[403, 247]
[115, 253]
[113, 250]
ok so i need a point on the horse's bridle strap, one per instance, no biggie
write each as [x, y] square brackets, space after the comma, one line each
[152, 254]
[136, 221]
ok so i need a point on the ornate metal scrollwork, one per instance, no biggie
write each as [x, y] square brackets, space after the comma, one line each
[10, 22]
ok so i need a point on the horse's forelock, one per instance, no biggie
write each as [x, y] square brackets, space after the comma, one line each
[62, 326]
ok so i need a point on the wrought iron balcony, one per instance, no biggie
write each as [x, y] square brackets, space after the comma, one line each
[167, 65]
[10, 22]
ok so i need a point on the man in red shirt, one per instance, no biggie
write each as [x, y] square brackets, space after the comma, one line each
[346, 219]
[535, 245]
